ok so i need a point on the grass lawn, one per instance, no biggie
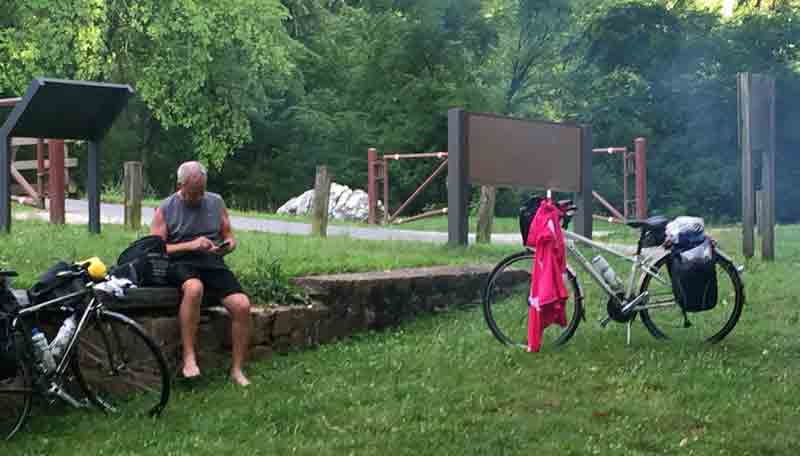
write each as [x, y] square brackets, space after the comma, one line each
[34, 246]
[442, 385]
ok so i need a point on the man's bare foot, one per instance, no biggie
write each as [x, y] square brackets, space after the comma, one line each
[238, 377]
[190, 370]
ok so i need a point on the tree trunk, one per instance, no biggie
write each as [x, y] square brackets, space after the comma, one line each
[486, 214]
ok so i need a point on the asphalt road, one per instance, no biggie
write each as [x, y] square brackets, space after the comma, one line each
[78, 210]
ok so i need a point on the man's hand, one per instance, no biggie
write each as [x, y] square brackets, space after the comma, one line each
[202, 244]
[223, 249]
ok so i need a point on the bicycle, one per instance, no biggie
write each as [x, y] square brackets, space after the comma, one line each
[647, 291]
[109, 361]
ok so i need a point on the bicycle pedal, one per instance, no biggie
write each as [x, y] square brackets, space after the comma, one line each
[604, 322]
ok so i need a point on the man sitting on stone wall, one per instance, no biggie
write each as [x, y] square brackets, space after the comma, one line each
[195, 225]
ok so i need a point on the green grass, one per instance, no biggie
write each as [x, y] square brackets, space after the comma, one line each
[34, 246]
[442, 385]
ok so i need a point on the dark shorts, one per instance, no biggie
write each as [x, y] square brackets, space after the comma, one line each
[217, 281]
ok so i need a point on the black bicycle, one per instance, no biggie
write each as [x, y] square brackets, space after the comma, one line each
[107, 360]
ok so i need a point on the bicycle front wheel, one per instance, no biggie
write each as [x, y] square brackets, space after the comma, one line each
[665, 319]
[15, 395]
[505, 303]
[121, 369]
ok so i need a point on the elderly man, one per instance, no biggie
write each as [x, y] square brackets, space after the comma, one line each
[195, 225]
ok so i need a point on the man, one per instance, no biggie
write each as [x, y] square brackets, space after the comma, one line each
[195, 225]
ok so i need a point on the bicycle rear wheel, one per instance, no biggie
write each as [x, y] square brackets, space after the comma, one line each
[15, 398]
[121, 369]
[505, 303]
[663, 317]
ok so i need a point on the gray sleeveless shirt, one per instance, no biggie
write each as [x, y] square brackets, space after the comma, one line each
[185, 223]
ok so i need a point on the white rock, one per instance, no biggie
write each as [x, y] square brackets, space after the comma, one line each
[343, 204]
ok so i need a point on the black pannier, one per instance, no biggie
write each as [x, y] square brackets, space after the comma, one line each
[51, 286]
[144, 262]
[8, 358]
[694, 277]
[526, 214]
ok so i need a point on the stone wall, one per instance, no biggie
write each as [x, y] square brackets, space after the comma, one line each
[342, 304]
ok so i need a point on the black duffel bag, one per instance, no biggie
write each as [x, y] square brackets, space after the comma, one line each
[8, 356]
[694, 277]
[51, 286]
[144, 262]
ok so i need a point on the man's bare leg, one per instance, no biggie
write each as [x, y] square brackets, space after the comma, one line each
[190, 318]
[238, 305]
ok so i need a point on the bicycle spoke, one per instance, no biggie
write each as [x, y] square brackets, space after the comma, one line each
[124, 370]
[664, 317]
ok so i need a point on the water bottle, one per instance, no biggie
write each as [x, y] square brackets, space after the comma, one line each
[601, 265]
[42, 351]
[60, 342]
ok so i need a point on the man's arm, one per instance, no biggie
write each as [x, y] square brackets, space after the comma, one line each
[159, 228]
[226, 232]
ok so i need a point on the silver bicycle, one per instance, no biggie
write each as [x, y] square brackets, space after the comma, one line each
[646, 292]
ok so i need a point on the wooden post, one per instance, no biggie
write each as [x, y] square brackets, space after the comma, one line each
[40, 172]
[583, 199]
[319, 205]
[757, 135]
[457, 179]
[641, 178]
[483, 233]
[5, 183]
[760, 212]
[133, 194]
[56, 153]
[372, 187]
[385, 170]
[748, 206]
[93, 186]
[768, 169]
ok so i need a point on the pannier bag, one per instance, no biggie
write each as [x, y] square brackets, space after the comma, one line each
[526, 214]
[144, 262]
[8, 362]
[691, 266]
[51, 286]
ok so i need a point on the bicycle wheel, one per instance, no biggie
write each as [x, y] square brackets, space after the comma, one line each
[505, 303]
[663, 317]
[120, 368]
[15, 398]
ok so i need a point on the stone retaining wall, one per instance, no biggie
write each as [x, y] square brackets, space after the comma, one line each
[342, 304]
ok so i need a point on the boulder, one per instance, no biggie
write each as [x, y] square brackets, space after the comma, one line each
[344, 204]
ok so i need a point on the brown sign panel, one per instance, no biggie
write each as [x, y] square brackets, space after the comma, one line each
[504, 151]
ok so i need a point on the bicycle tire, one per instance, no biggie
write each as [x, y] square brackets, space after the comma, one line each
[505, 305]
[16, 395]
[104, 354]
[667, 321]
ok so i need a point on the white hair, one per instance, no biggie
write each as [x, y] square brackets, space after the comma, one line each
[190, 169]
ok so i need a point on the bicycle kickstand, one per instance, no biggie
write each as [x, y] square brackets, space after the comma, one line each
[628, 331]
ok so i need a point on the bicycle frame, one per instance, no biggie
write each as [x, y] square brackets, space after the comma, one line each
[64, 362]
[640, 263]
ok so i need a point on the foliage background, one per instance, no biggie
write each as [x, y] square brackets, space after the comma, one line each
[265, 90]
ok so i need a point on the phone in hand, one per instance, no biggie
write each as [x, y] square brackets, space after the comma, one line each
[224, 244]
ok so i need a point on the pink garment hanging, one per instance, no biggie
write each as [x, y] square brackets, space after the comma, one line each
[548, 295]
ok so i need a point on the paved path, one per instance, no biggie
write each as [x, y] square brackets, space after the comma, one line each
[114, 213]
[77, 212]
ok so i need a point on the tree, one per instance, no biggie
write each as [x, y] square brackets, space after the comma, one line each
[521, 69]
[198, 65]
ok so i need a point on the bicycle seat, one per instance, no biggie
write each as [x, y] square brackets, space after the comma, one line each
[657, 222]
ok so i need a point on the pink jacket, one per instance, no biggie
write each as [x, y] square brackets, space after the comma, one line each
[548, 293]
